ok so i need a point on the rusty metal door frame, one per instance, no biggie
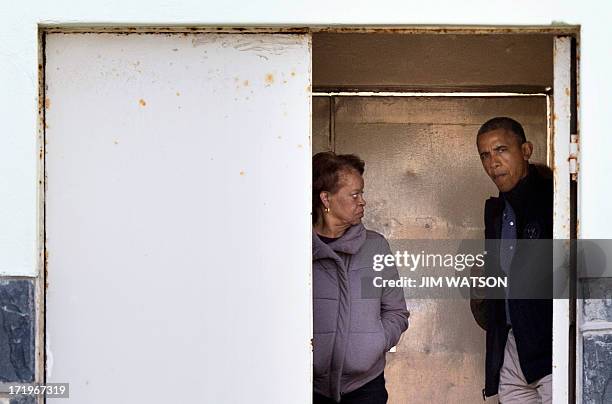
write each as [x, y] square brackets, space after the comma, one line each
[562, 158]
[562, 213]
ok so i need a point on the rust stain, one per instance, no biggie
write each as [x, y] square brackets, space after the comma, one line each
[461, 30]
[269, 79]
[168, 31]
[300, 146]
[46, 269]
[567, 91]
[177, 93]
[292, 73]
[142, 102]
[245, 83]
[47, 103]
[308, 88]
[242, 173]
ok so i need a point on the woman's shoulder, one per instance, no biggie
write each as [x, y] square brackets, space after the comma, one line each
[371, 234]
[375, 238]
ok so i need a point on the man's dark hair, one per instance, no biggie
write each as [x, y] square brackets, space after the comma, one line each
[326, 170]
[503, 122]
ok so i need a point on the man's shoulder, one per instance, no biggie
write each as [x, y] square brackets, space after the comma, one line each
[493, 205]
[544, 184]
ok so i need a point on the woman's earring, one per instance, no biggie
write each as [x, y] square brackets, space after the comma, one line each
[327, 210]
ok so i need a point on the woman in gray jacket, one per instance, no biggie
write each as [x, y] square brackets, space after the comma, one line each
[355, 323]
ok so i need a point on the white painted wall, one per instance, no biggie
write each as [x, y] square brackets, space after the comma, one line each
[18, 79]
[178, 220]
[19, 172]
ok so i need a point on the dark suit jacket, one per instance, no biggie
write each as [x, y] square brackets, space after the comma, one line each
[530, 281]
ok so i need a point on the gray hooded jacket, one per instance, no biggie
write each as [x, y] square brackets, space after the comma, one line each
[355, 324]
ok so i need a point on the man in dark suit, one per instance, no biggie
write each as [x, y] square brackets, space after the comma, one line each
[518, 229]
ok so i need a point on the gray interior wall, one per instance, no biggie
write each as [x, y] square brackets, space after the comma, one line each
[431, 61]
[424, 180]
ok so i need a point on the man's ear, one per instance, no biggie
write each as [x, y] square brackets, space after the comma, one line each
[527, 149]
[324, 195]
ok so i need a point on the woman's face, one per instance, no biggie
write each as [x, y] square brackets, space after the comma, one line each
[347, 204]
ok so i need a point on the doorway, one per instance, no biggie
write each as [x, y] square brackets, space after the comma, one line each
[410, 106]
[154, 136]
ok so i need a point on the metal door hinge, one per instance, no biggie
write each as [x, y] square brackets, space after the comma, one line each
[573, 157]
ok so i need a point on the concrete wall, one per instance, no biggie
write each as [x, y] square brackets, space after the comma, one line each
[596, 339]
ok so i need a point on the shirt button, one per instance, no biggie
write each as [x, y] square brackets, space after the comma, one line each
[511, 223]
[512, 247]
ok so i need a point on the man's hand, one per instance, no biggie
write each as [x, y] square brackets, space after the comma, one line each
[477, 299]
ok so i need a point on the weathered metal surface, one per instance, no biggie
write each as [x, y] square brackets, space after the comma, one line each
[427, 61]
[174, 163]
[17, 325]
[423, 175]
[321, 140]
[561, 29]
[561, 212]
[122, 29]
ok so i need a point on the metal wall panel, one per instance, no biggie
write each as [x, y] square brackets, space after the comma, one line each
[430, 60]
[423, 175]
[178, 217]
[424, 180]
[321, 134]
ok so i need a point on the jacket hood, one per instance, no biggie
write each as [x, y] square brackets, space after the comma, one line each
[349, 243]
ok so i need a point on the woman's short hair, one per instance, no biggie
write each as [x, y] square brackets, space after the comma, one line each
[326, 170]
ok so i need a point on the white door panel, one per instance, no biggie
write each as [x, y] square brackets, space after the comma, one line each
[177, 220]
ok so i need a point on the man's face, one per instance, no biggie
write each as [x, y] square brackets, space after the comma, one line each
[504, 159]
